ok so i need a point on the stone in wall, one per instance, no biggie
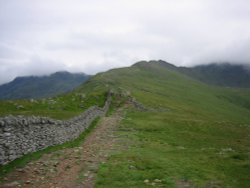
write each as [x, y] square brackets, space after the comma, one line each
[20, 135]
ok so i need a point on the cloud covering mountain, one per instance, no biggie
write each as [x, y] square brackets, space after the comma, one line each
[38, 37]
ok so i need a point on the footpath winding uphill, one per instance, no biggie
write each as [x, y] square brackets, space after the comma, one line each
[70, 168]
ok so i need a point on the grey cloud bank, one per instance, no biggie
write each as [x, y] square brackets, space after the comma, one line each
[40, 37]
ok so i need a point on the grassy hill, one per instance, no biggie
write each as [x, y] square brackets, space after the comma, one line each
[218, 74]
[192, 135]
[62, 106]
[195, 135]
[156, 86]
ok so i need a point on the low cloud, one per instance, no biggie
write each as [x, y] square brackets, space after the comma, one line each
[34, 66]
[40, 37]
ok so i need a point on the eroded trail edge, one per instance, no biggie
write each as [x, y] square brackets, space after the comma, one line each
[74, 167]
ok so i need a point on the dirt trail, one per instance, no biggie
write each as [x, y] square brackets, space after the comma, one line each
[70, 168]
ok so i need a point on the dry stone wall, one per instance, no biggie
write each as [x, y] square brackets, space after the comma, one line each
[20, 135]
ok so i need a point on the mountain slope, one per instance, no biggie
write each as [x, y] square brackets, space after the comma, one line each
[219, 74]
[224, 74]
[168, 88]
[41, 86]
[188, 125]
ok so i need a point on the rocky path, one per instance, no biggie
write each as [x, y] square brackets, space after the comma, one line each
[70, 168]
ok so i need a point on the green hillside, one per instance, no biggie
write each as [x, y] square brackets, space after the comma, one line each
[157, 87]
[62, 106]
[190, 135]
[193, 135]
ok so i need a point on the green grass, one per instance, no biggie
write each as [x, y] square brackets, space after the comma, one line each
[173, 149]
[198, 136]
[59, 107]
[21, 162]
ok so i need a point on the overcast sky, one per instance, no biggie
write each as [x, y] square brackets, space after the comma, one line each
[43, 36]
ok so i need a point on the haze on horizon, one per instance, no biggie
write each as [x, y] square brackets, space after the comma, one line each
[41, 37]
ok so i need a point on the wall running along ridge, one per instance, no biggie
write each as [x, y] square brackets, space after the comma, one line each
[20, 135]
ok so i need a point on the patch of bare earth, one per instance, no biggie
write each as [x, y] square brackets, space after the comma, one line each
[184, 184]
[70, 168]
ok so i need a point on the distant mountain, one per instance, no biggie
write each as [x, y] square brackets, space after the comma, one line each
[41, 86]
[224, 74]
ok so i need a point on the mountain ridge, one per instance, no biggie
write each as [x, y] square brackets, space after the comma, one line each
[26, 87]
[219, 74]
